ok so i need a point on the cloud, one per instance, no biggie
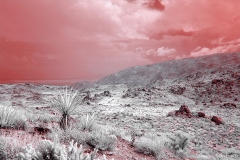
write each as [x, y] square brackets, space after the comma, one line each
[201, 52]
[220, 49]
[162, 51]
[82, 38]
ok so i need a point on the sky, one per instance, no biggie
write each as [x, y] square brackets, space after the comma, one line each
[88, 39]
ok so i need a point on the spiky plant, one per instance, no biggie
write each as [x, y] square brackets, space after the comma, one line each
[48, 150]
[87, 122]
[66, 103]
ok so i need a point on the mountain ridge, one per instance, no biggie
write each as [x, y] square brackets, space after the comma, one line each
[151, 74]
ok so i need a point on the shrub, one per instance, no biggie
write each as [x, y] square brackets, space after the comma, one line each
[70, 134]
[87, 122]
[152, 145]
[179, 143]
[102, 141]
[11, 117]
[66, 103]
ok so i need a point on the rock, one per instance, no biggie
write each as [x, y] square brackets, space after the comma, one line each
[172, 113]
[230, 105]
[109, 153]
[201, 114]
[176, 89]
[127, 105]
[87, 98]
[107, 93]
[217, 81]
[217, 120]
[184, 111]
[42, 130]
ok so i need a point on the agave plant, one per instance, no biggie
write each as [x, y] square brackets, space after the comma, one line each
[66, 103]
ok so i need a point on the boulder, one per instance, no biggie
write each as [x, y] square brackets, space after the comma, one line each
[201, 114]
[217, 120]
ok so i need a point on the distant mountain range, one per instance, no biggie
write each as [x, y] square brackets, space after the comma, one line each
[171, 70]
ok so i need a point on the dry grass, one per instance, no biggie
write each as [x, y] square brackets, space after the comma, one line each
[10, 117]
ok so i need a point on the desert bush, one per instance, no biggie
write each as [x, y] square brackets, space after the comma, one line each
[151, 145]
[69, 134]
[102, 141]
[87, 122]
[11, 117]
[179, 143]
[66, 103]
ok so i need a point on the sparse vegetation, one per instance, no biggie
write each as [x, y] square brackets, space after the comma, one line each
[87, 121]
[48, 150]
[11, 117]
[151, 144]
[66, 103]
[106, 123]
[179, 143]
[102, 141]
[70, 134]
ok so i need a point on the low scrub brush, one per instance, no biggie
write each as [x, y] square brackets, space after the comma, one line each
[151, 145]
[11, 117]
[102, 140]
[87, 122]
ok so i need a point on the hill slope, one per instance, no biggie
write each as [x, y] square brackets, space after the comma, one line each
[156, 73]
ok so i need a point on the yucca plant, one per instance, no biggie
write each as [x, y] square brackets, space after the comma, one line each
[66, 103]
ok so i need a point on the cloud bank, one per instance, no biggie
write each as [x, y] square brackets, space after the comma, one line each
[89, 39]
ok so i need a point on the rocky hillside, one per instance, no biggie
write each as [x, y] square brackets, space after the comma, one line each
[149, 75]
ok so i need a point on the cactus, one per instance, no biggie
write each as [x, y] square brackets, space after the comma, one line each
[55, 151]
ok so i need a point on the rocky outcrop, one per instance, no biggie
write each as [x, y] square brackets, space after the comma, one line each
[184, 111]
[176, 89]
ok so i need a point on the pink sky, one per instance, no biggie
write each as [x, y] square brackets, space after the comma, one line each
[90, 39]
